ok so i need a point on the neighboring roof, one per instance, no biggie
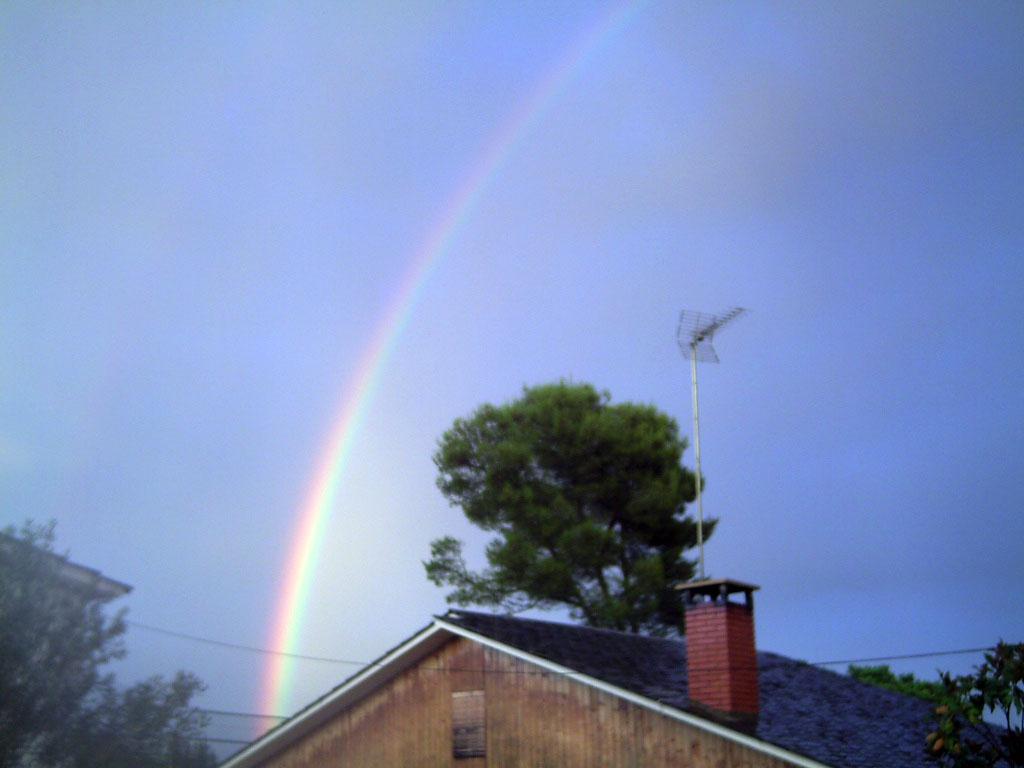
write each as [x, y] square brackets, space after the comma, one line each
[102, 586]
[809, 715]
[806, 709]
[78, 576]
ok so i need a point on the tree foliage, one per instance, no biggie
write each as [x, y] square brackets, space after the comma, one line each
[963, 738]
[884, 677]
[151, 724]
[587, 503]
[57, 708]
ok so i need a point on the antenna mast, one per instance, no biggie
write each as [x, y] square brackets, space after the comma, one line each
[694, 334]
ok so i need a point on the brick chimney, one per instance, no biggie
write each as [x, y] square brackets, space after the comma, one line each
[721, 658]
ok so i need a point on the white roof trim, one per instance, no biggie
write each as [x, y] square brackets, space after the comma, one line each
[643, 701]
[431, 638]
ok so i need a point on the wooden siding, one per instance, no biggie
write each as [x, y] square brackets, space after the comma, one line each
[534, 718]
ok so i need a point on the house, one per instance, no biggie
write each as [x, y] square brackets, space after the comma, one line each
[472, 690]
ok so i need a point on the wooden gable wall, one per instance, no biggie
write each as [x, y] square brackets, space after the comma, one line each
[533, 718]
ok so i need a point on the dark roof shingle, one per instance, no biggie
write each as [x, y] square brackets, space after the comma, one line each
[806, 709]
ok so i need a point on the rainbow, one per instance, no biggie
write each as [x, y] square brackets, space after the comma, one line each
[303, 552]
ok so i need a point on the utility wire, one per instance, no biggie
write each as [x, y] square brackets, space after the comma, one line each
[474, 670]
[229, 713]
[239, 646]
[927, 654]
[213, 740]
[367, 664]
[923, 655]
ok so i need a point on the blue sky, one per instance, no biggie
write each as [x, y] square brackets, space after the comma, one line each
[205, 211]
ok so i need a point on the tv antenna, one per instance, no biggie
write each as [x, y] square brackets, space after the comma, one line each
[694, 334]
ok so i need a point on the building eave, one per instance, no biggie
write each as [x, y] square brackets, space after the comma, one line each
[92, 580]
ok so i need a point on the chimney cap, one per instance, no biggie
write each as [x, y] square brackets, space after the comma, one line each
[717, 588]
[712, 585]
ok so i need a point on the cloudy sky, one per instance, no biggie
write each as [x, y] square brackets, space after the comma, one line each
[207, 212]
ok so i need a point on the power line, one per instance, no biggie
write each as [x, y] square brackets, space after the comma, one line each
[898, 657]
[229, 713]
[239, 646]
[367, 664]
[571, 673]
[212, 740]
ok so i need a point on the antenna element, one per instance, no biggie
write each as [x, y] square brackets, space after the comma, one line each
[694, 334]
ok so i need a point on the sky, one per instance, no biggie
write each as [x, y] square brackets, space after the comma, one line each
[207, 213]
